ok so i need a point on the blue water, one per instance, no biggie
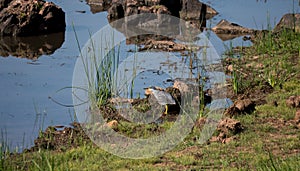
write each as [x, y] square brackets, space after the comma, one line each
[26, 85]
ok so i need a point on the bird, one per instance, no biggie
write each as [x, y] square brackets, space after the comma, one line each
[162, 97]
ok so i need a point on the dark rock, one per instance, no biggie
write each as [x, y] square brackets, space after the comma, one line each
[191, 10]
[116, 11]
[31, 17]
[4, 4]
[194, 12]
[289, 21]
[31, 47]
[174, 6]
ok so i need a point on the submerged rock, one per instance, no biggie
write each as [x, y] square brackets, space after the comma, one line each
[289, 21]
[31, 17]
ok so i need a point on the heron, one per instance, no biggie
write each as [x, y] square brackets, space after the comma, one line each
[162, 97]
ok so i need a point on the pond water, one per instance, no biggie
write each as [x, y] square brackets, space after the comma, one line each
[26, 84]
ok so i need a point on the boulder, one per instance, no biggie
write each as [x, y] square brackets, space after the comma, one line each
[289, 21]
[31, 17]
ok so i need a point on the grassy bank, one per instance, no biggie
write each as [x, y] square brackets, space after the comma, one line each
[267, 73]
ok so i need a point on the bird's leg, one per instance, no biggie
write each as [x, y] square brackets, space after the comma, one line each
[166, 111]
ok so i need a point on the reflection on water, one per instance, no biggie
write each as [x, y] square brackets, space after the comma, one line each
[157, 32]
[31, 47]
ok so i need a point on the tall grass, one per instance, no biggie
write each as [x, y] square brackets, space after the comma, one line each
[99, 70]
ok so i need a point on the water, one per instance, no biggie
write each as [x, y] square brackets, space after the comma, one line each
[26, 84]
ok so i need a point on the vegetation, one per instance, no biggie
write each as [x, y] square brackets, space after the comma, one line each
[270, 140]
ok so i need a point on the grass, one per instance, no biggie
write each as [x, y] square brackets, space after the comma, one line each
[271, 60]
[270, 140]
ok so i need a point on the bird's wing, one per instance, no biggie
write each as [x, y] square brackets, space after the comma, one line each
[163, 97]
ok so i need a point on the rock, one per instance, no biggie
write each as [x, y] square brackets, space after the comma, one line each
[293, 101]
[165, 45]
[230, 126]
[4, 4]
[244, 105]
[174, 6]
[210, 12]
[116, 11]
[186, 85]
[193, 10]
[230, 68]
[112, 124]
[288, 21]
[31, 47]
[31, 17]
[226, 30]
[297, 117]
[240, 106]
[226, 27]
[99, 5]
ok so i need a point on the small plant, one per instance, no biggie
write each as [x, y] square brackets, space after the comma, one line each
[235, 82]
